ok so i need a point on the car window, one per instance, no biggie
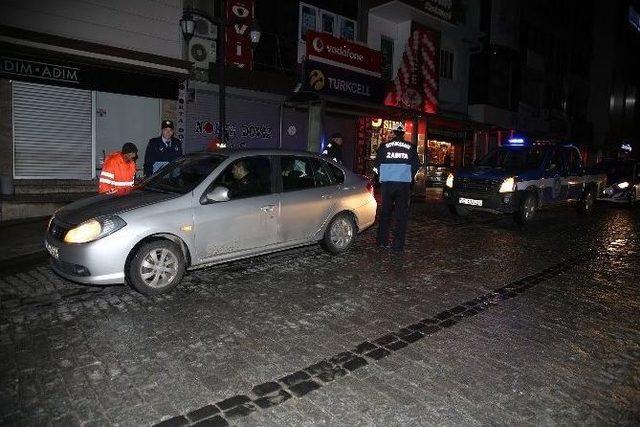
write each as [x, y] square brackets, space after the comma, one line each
[514, 158]
[246, 177]
[302, 172]
[183, 175]
[336, 173]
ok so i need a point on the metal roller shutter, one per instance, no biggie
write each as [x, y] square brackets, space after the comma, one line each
[52, 132]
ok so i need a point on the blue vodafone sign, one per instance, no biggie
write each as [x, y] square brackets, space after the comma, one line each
[329, 80]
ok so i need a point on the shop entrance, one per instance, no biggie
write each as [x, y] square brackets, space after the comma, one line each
[440, 155]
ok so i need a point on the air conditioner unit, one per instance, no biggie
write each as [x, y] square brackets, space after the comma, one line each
[204, 28]
[202, 52]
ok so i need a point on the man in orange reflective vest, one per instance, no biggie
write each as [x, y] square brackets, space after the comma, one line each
[119, 171]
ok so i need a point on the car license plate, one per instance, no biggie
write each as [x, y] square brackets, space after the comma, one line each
[52, 250]
[471, 202]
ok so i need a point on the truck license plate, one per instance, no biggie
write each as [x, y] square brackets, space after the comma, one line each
[52, 250]
[471, 202]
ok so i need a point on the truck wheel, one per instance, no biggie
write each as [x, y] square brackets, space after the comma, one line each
[457, 210]
[527, 210]
[156, 267]
[585, 206]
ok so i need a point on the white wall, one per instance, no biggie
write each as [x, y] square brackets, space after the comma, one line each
[141, 25]
[125, 118]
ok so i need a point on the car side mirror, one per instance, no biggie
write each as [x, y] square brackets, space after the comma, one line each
[218, 194]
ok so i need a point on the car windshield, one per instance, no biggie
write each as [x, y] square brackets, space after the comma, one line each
[183, 175]
[513, 158]
[617, 171]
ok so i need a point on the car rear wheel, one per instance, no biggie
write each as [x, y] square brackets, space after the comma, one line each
[527, 210]
[156, 267]
[585, 206]
[340, 234]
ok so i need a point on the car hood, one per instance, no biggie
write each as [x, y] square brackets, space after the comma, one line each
[106, 204]
[482, 173]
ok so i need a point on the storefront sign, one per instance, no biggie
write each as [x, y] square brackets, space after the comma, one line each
[39, 70]
[416, 84]
[447, 10]
[85, 76]
[238, 50]
[325, 48]
[335, 81]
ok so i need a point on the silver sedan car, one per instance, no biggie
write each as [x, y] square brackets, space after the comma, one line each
[205, 209]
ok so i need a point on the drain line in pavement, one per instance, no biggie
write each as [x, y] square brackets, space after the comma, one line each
[306, 380]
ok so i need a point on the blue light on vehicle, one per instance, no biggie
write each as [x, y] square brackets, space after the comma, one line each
[516, 142]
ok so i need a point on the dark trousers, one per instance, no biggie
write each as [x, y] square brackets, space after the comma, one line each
[395, 200]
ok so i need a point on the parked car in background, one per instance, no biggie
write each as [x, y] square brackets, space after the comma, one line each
[205, 209]
[519, 178]
[623, 181]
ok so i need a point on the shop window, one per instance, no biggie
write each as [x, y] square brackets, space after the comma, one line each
[308, 20]
[328, 23]
[316, 19]
[446, 64]
[300, 173]
[247, 177]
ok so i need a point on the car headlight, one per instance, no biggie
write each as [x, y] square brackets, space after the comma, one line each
[449, 182]
[94, 229]
[623, 185]
[508, 185]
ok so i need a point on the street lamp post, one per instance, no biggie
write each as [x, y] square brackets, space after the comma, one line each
[187, 25]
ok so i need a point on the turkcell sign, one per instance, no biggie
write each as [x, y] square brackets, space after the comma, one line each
[336, 81]
[325, 48]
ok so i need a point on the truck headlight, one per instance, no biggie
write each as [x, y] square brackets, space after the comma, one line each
[94, 229]
[623, 185]
[449, 182]
[508, 185]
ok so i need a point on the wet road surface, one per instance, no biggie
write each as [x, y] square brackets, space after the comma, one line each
[480, 322]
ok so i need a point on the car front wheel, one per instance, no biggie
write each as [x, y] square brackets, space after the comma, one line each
[340, 234]
[527, 210]
[156, 267]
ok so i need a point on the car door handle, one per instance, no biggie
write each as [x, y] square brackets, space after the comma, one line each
[326, 196]
[269, 208]
[348, 188]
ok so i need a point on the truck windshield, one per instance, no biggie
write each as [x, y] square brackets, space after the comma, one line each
[183, 175]
[617, 171]
[509, 158]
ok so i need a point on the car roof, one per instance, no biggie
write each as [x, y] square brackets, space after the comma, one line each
[257, 152]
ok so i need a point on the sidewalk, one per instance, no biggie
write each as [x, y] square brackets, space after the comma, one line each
[21, 243]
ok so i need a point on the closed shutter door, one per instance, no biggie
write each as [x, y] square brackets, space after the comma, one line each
[52, 132]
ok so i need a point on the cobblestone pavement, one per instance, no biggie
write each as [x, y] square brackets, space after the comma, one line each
[480, 322]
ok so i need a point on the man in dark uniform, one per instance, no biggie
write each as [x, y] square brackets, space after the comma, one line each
[333, 150]
[396, 164]
[162, 149]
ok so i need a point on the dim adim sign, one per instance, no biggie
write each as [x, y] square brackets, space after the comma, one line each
[38, 70]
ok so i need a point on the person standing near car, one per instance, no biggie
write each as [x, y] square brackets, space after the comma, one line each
[396, 164]
[333, 150]
[162, 149]
[119, 171]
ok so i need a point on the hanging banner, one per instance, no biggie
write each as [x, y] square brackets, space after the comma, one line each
[416, 84]
[238, 49]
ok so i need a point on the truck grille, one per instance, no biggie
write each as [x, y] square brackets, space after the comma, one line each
[476, 184]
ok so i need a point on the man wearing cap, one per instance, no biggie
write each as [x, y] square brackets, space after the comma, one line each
[162, 149]
[396, 164]
[119, 171]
